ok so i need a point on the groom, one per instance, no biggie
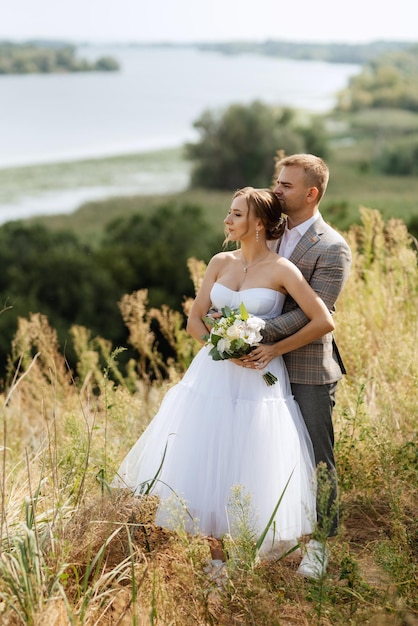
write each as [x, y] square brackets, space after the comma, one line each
[324, 258]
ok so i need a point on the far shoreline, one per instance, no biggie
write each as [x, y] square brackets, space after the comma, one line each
[88, 157]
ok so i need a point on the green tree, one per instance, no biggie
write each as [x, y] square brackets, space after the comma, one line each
[389, 81]
[315, 137]
[237, 146]
[151, 251]
[106, 64]
[54, 274]
[399, 158]
[30, 58]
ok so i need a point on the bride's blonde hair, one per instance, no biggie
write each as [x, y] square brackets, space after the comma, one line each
[266, 206]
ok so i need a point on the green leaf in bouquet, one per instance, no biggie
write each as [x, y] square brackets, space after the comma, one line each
[238, 346]
[243, 311]
[215, 355]
[227, 311]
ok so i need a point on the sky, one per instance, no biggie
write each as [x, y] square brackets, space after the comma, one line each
[119, 21]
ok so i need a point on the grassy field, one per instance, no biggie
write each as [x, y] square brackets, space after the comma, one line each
[98, 172]
[76, 553]
[53, 189]
[349, 189]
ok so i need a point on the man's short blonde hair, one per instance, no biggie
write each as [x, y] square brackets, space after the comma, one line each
[315, 168]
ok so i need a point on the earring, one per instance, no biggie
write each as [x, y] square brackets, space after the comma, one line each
[256, 236]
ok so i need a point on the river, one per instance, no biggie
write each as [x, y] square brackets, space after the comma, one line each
[150, 104]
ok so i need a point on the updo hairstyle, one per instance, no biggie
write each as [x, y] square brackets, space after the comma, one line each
[266, 207]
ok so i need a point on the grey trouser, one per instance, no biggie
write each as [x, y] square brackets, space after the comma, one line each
[317, 403]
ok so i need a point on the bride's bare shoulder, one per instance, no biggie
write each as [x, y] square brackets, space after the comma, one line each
[223, 257]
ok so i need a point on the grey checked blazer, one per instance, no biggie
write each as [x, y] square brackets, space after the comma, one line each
[324, 258]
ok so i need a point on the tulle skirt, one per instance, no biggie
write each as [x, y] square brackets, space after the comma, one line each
[225, 446]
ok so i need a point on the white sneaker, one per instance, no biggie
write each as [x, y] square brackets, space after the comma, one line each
[281, 550]
[217, 572]
[213, 566]
[314, 563]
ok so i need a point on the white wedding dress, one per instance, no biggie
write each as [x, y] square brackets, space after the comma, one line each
[221, 432]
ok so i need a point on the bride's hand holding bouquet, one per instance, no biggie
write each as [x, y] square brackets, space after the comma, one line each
[234, 335]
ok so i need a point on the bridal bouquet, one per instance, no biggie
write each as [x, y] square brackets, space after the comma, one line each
[234, 334]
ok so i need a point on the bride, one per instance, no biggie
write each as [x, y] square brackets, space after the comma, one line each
[221, 431]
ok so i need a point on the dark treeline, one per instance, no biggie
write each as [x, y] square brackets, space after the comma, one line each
[71, 283]
[41, 58]
[357, 54]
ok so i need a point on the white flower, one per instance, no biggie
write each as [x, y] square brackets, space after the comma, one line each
[223, 346]
[251, 337]
[236, 330]
[256, 323]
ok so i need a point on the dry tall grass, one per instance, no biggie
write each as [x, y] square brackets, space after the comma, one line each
[74, 552]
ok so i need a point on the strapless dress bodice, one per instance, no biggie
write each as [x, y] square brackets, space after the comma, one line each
[261, 301]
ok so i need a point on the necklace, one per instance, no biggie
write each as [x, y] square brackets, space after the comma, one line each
[247, 267]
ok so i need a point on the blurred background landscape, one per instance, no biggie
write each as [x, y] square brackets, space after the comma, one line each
[100, 141]
[124, 131]
[149, 103]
